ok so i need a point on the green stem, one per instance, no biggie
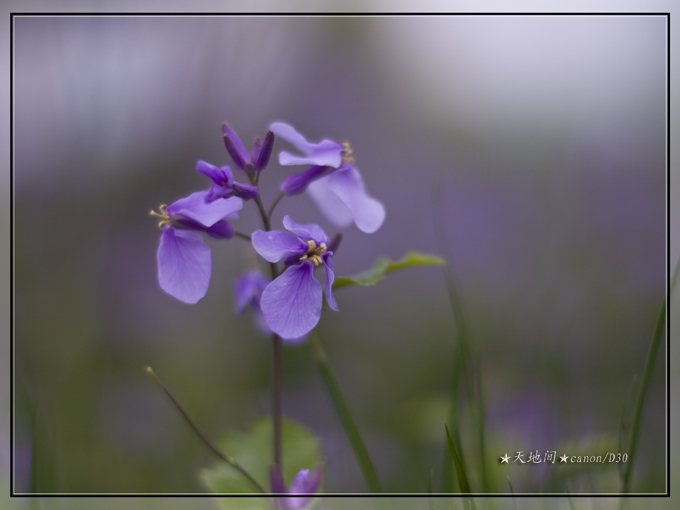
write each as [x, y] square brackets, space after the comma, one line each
[276, 399]
[232, 462]
[243, 236]
[644, 383]
[276, 202]
[263, 214]
[276, 358]
[360, 451]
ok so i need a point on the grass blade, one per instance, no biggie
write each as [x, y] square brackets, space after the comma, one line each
[481, 420]
[512, 491]
[460, 472]
[346, 418]
[644, 383]
[462, 358]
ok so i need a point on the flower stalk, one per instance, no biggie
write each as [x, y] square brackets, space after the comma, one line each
[276, 355]
[351, 429]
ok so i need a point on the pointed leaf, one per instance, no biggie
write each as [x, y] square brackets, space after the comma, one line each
[383, 266]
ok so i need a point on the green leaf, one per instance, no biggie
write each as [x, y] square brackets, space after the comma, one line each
[383, 266]
[253, 450]
[460, 471]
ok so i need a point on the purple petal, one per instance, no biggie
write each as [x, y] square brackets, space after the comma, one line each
[307, 232]
[295, 341]
[184, 265]
[220, 176]
[235, 148]
[248, 290]
[275, 245]
[195, 207]
[255, 151]
[261, 323]
[367, 212]
[292, 303]
[304, 483]
[288, 133]
[330, 277]
[331, 206]
[216, 191]
[296, 183]
[292, 259]
[265, 152]
[324, 153]
[220, 230]
[245, 191]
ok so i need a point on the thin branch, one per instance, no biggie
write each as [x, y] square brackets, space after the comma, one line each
[276, 202]
[232, 462]
[242, 236]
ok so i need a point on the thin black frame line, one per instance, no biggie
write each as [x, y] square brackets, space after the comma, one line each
[331, 14]
[11, 251]
[668, 253]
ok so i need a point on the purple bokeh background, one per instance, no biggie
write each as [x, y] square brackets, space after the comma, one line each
[544, 136]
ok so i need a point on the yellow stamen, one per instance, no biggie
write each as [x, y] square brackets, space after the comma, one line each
[163, 215]
[316, 259]
[347, 151]
[314, 252]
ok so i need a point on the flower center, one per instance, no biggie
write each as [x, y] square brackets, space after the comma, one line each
[163, 215]
[347, 153]
[314, 252]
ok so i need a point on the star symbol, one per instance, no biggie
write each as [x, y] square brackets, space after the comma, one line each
[563, 458]
[505, 459]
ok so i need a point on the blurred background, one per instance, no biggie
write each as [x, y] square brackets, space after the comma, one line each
[545, 138]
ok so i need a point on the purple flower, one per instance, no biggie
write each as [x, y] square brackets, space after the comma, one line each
[333, 182]
[223, 185]
[184, 264]
[248, 290]
[291, 304]
[304, 485]
[249, 162]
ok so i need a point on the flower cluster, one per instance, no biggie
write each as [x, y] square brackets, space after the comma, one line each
[289, 304]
